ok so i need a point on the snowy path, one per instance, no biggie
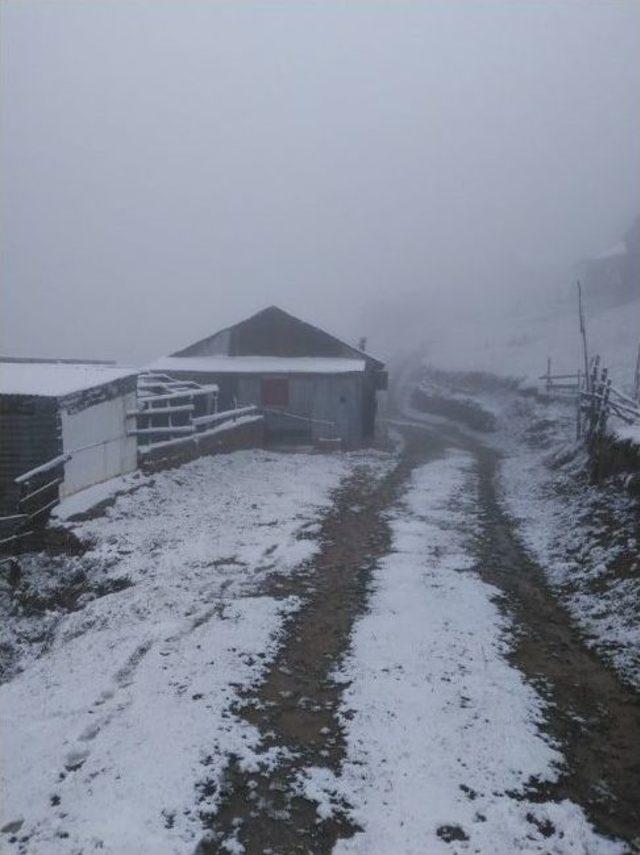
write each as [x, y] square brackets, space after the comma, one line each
[442, 733]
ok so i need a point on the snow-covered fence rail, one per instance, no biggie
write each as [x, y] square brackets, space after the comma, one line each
[178, 420]
[241, 427]
[168, 408]
[600, 399]
[565, 384]
[199, 430]
[225, 415]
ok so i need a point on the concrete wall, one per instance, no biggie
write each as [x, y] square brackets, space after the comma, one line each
[98, 435]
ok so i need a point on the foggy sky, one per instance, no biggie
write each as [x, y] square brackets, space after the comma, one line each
[170, 167]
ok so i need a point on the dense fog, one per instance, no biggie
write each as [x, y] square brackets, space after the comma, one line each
[372, 167]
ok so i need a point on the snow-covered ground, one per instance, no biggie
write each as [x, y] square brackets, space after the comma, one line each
[123, 704]
[439, 726]
[584, 536]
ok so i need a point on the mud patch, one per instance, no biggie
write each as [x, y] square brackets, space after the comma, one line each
[66, 594]
[593, 716]
[295, 708]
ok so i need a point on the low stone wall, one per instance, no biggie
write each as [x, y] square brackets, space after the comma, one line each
[247, 434]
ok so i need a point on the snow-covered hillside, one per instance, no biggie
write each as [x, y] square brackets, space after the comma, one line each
[519, 345]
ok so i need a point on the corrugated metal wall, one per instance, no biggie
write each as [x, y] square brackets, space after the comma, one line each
[311, 395]
[333, 398]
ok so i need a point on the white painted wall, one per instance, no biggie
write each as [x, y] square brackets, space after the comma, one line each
[100, 432]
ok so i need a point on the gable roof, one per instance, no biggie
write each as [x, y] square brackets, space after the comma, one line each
[274, 332]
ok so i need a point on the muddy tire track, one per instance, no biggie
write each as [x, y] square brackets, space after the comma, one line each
[295, 708]
[591, 715]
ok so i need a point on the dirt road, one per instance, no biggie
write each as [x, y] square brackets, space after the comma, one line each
[295, 708]
[590, 716]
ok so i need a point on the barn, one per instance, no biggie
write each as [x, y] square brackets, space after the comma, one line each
[69, 421]
[309, 384]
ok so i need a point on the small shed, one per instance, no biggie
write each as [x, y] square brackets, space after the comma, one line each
[310, 384]
[78, 413]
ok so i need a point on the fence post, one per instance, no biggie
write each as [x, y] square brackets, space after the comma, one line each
[600, 402]
[579, 408]
[592, 388]
[583, 332]
[604, 412]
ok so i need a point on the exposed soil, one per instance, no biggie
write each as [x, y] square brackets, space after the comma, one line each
[74, 592]
[296, 707]
[592, 714]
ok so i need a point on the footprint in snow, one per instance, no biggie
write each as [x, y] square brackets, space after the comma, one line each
[75, 759]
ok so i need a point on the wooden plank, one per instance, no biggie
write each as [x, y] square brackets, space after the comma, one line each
[44, 508]
[55, 483]
[169, 429]
[223, 416]
[161, 411]
[624, 398]
[15, 537]
[46, 467]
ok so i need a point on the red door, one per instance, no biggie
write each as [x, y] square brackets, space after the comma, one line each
[275, 392]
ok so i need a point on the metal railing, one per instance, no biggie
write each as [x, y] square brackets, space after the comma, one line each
[308, 419]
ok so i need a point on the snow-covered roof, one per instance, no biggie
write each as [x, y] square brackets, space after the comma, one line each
[56, 379]
[258, 364]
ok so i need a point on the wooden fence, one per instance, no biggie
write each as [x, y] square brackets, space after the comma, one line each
[179, 413]
[168, 409]
[562, 384]
[597, 399]
[39, 494]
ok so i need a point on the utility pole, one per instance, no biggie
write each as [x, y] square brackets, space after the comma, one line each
[583, 332]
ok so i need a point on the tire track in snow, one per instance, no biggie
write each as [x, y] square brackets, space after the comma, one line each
[267, 806]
